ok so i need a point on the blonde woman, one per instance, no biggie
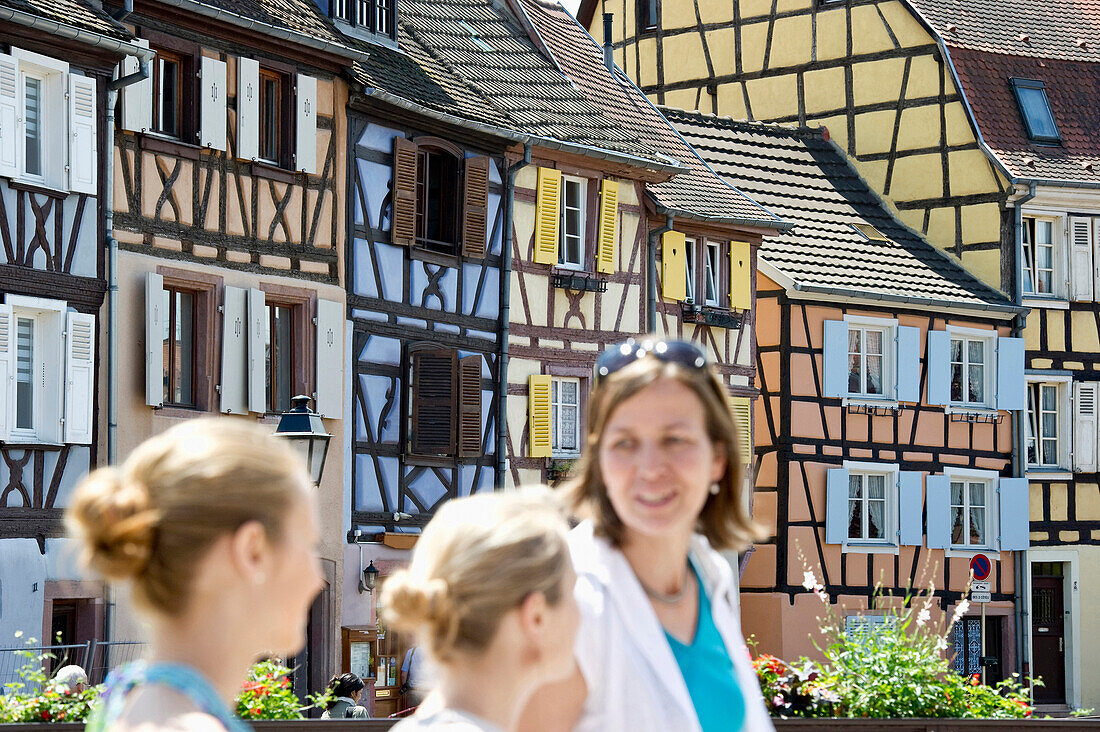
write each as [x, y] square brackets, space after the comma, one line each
[212, 524]
[489, 595]
[659, 488]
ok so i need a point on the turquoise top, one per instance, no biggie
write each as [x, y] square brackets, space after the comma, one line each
[709, 674]
[180, 678]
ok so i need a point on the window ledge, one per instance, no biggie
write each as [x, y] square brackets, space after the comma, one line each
[157, 143]
[419, 252]
[430, 461]
[869, 548]
[1040, 474]
[39, 188]
[958, 552]
[1051, 303]
[31, 443]
[279, 174]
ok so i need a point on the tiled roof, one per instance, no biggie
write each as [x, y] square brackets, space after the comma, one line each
[1047, 28]
[471, 59]
[76, 13]
[698, 191]
[807, 180]
[299, 16]
[1070, 87]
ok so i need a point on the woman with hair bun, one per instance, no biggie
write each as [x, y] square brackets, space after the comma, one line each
[213, 526]
[489, 595]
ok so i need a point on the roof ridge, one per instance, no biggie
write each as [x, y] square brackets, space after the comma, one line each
[733, 123]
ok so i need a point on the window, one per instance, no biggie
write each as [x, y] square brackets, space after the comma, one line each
[341, 9]
[713, 269]
[967, 636]
[565, 416]
[279, 356]
[168, 103]
[42, 110]
[866, 360]
[24, 374]
[1039, 256]
[178, 347]
[444, 403]
[437, 199]
[1031, 97]
[1042, 425]
[647, 15]
[867, 514]
[969, 512]
[689, 269]
[969, 371]
[573, 205]
[370, 16]
[272, 116]
[32, 125]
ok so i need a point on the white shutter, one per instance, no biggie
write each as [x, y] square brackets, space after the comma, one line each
[330, 359]
[155, 317]
[1080, 260]
[257, 356]
[212, 104]
[79, 377]
[9, 116]
[82, 135]
[137, 98]
[248, 108]
[1084, 426]
[234, 378]
[305, 157]
[7, 370]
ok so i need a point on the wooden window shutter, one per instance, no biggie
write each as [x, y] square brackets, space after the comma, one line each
[83, 161]
[1080, 263]
[469, 406]
[248, 108]
[212, 107]
[609, 219]
[154, 339]
[256, 339]
[836, 506]
[79, 377]
[741, 408]
[10, 112]
[330, 359]
[547, 217]
[475, 211]
[305, 147]
[403, 228]
[7, 366]
[673, 266]
[433, 403]
[740, 275]
[1084, 426]
[538, 416]
[234, 377]
[137, 98]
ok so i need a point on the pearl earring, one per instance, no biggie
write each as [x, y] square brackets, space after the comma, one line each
[714, 489]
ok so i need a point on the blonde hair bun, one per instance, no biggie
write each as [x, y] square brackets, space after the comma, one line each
[116, 523]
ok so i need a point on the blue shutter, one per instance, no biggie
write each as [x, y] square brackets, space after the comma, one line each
[835, 358]
[836, 506]
[1011, 389]
[939, 511]
[939, 367]
[908, 359]
[910, 508]
[1015, 531]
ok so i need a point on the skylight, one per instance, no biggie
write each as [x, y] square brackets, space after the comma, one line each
[869, 232]
[1031, 96]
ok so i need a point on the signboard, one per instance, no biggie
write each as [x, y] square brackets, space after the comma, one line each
[980, 592]
[981, 566]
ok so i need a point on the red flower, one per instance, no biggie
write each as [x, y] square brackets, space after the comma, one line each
[255, 711]
[975, 679]
[46, 714]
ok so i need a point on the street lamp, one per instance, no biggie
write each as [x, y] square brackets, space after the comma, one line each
[306, 433]
[370, 577]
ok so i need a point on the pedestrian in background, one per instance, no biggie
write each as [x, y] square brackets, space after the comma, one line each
[659, 489]
[212, 523]
[346, 690]
[413, 681]
[71, 677]
[489, 595]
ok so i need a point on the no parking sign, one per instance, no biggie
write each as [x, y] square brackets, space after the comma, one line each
[980, 566]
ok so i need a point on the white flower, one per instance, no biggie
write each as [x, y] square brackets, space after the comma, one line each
[923, 617]
[941, 644]
[960, 610]
[18, 634]
[808, 580]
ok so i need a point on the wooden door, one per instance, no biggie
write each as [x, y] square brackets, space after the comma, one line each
[1048, 639]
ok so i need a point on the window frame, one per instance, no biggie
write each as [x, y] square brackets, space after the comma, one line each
[207, 327]
[48, 364]
[1063, 446]
[888, 327]
[282, 126]
[646, 10]
[180, 61]
[52, 74]
[696, 266]
[690, 270]
[426, 148]
[1058, 244]
[169, 359]
[889, 543]
[989, 338]
[1018, 85]
[303, 307]
[712, 273]
[582, 238]
[556, 403]
[375, 17]
[188, 53]
[990, 479]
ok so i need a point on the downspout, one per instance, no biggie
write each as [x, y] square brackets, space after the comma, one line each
[1019, 457]
[505, 312]
[651, 266]
[125, 11]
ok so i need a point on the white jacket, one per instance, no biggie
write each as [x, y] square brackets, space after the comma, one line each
[634, 683]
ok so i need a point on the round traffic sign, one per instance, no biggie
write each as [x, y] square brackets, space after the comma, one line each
[980, 566]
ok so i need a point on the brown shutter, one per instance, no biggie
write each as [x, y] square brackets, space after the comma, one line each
[475, 212]
[433, 403]
[403, 229]
[469, 406]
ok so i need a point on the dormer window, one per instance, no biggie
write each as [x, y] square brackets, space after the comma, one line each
[1031, 96]
[371, 17]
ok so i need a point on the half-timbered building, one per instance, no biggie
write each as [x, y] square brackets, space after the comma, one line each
[887, 374]
[228, 216]
[56, 64]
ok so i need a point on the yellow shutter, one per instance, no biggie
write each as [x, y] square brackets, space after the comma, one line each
[538, 416]
[547, 216]
[741, 407]
[673, 266]
[609, 219]
[740, 276]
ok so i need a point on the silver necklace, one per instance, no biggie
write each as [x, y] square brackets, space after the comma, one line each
[670, 599]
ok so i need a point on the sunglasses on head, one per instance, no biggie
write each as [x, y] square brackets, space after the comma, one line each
[683, 353]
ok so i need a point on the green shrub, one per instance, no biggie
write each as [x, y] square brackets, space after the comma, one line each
[35, 699]
[266, 694]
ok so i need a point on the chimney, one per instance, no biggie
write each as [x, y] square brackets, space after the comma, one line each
[608, 61]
